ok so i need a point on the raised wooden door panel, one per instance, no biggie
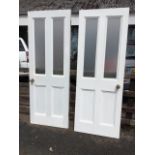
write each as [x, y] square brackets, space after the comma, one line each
[100, 70]
[49, 46]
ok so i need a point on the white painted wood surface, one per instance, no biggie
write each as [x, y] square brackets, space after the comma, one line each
[49, 94]
[23, 20]
[98, 102]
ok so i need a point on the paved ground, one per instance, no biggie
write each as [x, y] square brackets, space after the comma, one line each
[41, 140]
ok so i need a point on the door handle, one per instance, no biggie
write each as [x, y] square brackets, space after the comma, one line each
[31, 81]
[118, 86]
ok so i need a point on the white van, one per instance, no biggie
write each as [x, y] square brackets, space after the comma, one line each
[23, 54]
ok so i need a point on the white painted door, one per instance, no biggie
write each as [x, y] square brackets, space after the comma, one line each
[49, 48]
[100, 71]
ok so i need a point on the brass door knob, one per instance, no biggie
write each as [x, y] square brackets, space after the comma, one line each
[118, 86]
[31, 81]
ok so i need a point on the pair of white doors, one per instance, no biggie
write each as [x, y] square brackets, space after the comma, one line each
[100, 69]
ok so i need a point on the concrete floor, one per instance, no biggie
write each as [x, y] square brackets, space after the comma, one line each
[42, 140]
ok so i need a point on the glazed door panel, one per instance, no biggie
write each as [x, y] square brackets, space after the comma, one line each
[100, 71]
[49, 48]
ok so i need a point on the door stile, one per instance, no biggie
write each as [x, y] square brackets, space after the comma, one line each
[48, 59]
[121, 67]
[66, 67]
[31, 64]
[80, 65]
[101, 47]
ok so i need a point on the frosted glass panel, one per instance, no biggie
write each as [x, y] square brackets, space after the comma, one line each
[58, 43]
[90, 47]
[112, 45]
[40, 45]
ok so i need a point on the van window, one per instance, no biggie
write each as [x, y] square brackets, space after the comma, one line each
[21, 47]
